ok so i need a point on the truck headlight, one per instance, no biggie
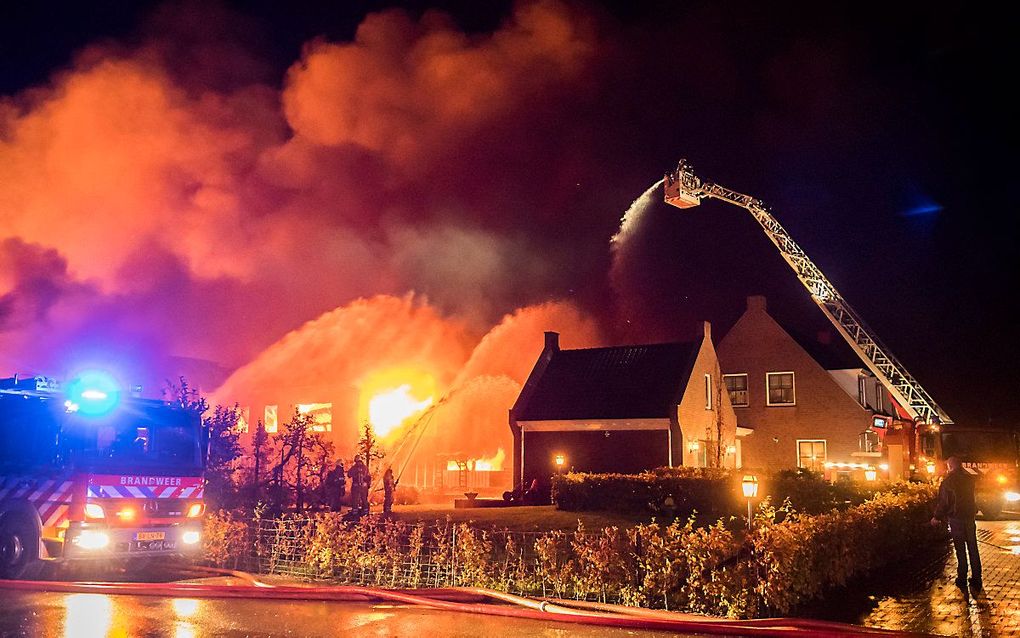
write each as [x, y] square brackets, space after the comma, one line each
[196, 509]
[1012, 497]
[190, 537]
[91, 539]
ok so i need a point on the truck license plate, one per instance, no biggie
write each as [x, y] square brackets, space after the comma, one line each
[150, 536]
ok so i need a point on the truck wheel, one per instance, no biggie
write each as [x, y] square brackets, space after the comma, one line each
[19, 548]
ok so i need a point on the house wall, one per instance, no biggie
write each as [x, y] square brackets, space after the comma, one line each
[697, 423]
[593, 451]
[823, 410]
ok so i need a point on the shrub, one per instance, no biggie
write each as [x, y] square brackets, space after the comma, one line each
[787, 559]
[226, 540]
[710, 492]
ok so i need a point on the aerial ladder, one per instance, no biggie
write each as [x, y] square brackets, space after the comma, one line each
[684, 189]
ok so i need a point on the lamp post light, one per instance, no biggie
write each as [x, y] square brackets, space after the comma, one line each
[560, 461]
[750, 487]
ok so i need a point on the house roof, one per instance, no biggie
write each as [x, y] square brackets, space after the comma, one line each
[636, 382]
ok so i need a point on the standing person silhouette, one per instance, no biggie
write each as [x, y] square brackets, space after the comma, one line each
[957, 506]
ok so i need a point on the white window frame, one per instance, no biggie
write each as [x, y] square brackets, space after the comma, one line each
[709, 404]
[825, 452]
[747, 390]
[768, 393]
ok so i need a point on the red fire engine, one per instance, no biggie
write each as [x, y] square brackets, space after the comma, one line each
[87, 473]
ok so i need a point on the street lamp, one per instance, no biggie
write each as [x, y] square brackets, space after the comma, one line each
[750, 487]
[560, 460]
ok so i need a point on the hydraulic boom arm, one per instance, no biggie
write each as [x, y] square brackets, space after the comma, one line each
[684, 189]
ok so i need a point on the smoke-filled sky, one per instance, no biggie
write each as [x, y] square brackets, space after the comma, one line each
[200, 180]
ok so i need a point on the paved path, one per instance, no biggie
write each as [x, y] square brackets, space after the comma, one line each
[938, 607]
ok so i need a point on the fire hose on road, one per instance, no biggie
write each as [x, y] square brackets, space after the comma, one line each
[464, 600]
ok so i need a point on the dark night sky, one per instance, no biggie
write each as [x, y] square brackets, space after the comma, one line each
[879, 134]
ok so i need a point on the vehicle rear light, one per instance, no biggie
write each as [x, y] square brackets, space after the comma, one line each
[196, 509]
[94, 510]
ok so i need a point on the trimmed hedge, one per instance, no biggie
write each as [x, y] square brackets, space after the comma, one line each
[712, 493]
[787, 560]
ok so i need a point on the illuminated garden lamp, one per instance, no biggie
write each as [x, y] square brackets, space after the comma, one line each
[750, 487]
[560, 460]
[870, 475]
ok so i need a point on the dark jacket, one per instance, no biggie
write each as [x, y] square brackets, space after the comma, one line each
[956, 497]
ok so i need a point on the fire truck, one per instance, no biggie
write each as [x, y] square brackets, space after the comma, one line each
[89, 473]
[916, 440]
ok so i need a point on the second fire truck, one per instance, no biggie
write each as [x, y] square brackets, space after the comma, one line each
[916, 445]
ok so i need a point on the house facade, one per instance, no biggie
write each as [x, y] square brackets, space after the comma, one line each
[798, 410]
[623, 409]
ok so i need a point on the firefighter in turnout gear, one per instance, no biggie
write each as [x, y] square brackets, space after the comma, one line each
[360, 481]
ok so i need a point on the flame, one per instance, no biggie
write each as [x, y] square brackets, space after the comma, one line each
[392, 398]
[488, 464]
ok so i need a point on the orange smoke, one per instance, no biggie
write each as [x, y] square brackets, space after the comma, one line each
[403, 87]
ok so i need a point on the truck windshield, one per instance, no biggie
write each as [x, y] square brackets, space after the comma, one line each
[135, 438]
[980, 446]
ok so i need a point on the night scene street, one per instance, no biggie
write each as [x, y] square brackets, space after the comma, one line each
[531, 317]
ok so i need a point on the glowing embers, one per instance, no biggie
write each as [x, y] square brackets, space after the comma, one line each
[395, 397]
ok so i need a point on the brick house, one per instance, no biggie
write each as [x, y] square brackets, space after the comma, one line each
[802, 409]
[622, 409]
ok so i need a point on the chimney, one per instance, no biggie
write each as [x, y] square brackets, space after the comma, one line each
[552, 341]
[756, 302]
[707, 327]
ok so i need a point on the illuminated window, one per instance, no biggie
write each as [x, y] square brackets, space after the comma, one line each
[811, 454]
[321, 413]
[736, 386]
[243, 418]
[868, 441]
[271, 419]
[781, 390]
[708, 392]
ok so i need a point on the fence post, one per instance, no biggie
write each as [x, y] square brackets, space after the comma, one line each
[453, 556]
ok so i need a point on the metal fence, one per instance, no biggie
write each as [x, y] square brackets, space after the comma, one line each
[403, 555]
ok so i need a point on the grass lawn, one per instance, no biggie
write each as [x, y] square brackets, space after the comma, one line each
[542, 518]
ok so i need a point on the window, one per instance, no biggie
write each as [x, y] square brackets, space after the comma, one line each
[243, 417]
[736, 386]
[811, 455]
[879, 402]
[708, 392]
[271, 419]
[862, 392]
[321, 413]
[869, 441]
[781, 389]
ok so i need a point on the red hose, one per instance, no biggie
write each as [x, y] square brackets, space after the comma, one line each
[468, 600]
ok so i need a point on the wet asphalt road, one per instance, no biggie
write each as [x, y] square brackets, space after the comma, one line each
[61, 615]
[102, 616]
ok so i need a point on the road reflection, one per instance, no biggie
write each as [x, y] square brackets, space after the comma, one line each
[87, 616]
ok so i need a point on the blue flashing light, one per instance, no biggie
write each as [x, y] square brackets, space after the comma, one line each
[93, 393]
